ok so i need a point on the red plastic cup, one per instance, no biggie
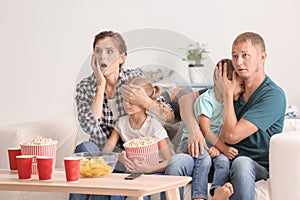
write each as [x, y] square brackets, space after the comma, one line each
[39, 150]
[12, 153]
[72, 167]
[45, 167]
[24, 164]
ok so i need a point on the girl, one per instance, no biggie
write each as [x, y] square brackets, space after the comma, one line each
[140, 124]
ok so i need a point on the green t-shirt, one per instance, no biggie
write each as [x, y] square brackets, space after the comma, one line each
[207, 105]
[265, 109]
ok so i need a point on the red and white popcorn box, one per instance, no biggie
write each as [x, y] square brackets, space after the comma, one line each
[138, 149]
[39, 150]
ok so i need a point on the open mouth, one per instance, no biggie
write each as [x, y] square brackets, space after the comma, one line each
[103, 65]
[128, 110]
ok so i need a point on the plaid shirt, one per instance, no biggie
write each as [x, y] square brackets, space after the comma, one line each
[99, 130]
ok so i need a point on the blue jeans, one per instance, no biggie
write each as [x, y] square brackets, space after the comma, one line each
[243, 174]
[202, 166]
[221, 166]
[87, 147]
[179, 165]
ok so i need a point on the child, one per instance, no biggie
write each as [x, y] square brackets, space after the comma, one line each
[139, 124]
[208, 110]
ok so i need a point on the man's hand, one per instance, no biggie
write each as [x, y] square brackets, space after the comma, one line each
[228, 85]
[196, 143]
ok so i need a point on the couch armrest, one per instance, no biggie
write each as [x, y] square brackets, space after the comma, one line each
[61, 129]
[285, 165]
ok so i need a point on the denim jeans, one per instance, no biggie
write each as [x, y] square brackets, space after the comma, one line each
[243, 174]
[183, 146]
[202, 166]
[87, 147]
[179, 165]
[221, 165]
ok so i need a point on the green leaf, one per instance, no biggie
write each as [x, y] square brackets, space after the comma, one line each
[195, 52]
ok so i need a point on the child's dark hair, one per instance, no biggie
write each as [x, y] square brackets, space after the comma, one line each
[153, 91]
[230, 68]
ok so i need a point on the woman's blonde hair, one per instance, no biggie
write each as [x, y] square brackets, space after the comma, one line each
[153, 91]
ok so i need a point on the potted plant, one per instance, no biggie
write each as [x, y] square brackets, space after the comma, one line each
[195, 56]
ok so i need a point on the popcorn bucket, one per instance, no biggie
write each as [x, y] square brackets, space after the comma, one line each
[142, 152]
[39, 150]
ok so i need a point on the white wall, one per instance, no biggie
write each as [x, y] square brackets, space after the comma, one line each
[44, 43]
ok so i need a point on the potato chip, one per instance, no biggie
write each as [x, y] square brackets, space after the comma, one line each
[94, 167]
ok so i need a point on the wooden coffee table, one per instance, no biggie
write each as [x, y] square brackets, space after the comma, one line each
[112, 184]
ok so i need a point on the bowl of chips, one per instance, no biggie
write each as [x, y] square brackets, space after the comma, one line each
[97, 164]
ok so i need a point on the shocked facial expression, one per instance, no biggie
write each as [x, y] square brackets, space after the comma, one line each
[108, 56]
[247, 59]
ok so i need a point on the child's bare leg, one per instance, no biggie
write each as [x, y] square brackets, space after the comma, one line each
[221, 193]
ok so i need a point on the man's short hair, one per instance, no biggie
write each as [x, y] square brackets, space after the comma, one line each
[255, 39]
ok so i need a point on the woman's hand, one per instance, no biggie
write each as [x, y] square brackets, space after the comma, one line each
[135, 95]
[97, 71]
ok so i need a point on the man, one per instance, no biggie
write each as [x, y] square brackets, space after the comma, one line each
[250, 122]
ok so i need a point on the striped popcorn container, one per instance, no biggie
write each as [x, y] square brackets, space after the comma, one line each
[138, 149]
[39, 150]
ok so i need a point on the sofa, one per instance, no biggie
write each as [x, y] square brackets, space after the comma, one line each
[61, 129]
[66, 131]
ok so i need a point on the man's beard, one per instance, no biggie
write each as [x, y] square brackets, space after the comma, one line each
[244, 77]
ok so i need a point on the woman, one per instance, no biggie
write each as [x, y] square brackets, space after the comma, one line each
[98, 99]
